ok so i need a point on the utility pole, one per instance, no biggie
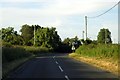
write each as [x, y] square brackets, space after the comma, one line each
[34, 35]
[86, 26]
[83, 35]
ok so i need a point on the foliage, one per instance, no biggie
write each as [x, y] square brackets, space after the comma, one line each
[10, 36]
[94, 42]
[100, 51]
[104, 36]
[27, 34]
[44, 36]
[34, 49]
[47, 37]
[13, 53]
[63, 48]
[6, 44]
[72, 42]
[86, 42]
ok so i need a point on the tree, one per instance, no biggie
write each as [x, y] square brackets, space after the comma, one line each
[87, 41]
[104, 36]
[67, 41]
[10, 36]
[27, 32]
[47, 37]
[77, 42]
[73, 41]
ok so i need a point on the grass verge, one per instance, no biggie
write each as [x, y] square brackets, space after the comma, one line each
[8, 67]
[12, 57]
[105, 64]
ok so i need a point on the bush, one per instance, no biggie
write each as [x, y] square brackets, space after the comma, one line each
[6, 44]
[63, 48]
[33, 49]
[13, 53]
[100, 50]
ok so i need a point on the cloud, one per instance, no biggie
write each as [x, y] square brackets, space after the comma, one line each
[50, 14]
[54, 13]
[11, 1]
[71, 7]
[56, 7]
[56, 0]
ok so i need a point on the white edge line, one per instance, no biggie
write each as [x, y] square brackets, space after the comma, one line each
[67, 77]
[60, 68]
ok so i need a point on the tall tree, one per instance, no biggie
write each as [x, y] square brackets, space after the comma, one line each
[47, 37]
[27, 34]
[104, 36]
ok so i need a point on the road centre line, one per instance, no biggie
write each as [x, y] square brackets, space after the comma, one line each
[53, 56]
[60, 68]
[56, 62]
[67, 77]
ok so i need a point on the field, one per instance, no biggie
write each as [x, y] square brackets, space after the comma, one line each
[101, 55]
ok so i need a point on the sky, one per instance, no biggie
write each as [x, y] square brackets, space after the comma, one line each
[68, 16]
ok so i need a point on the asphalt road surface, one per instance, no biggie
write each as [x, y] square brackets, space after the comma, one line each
[59, 66]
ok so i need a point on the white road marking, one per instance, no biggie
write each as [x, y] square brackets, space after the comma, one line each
[67, 77]
[53, 56]
[56, 62]
[60, 68]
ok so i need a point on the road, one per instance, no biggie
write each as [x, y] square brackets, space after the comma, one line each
[59, 66]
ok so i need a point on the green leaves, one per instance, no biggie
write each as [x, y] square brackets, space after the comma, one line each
[99, 51]
[43, 36]
[10, 36]
[104, 36]
[27, 34]
[47, 37]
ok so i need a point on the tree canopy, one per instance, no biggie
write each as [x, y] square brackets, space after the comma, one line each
[104, 36]
[72, 41]
[11, 36]
[44, 36]
[27, 33]
[47, 37]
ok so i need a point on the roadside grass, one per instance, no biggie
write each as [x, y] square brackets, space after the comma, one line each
[9, 67]
[35, 49]
[13, 53]
[14, 56]
[107, 51]
[102, 56]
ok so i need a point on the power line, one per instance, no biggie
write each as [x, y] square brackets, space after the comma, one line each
[105, 11]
